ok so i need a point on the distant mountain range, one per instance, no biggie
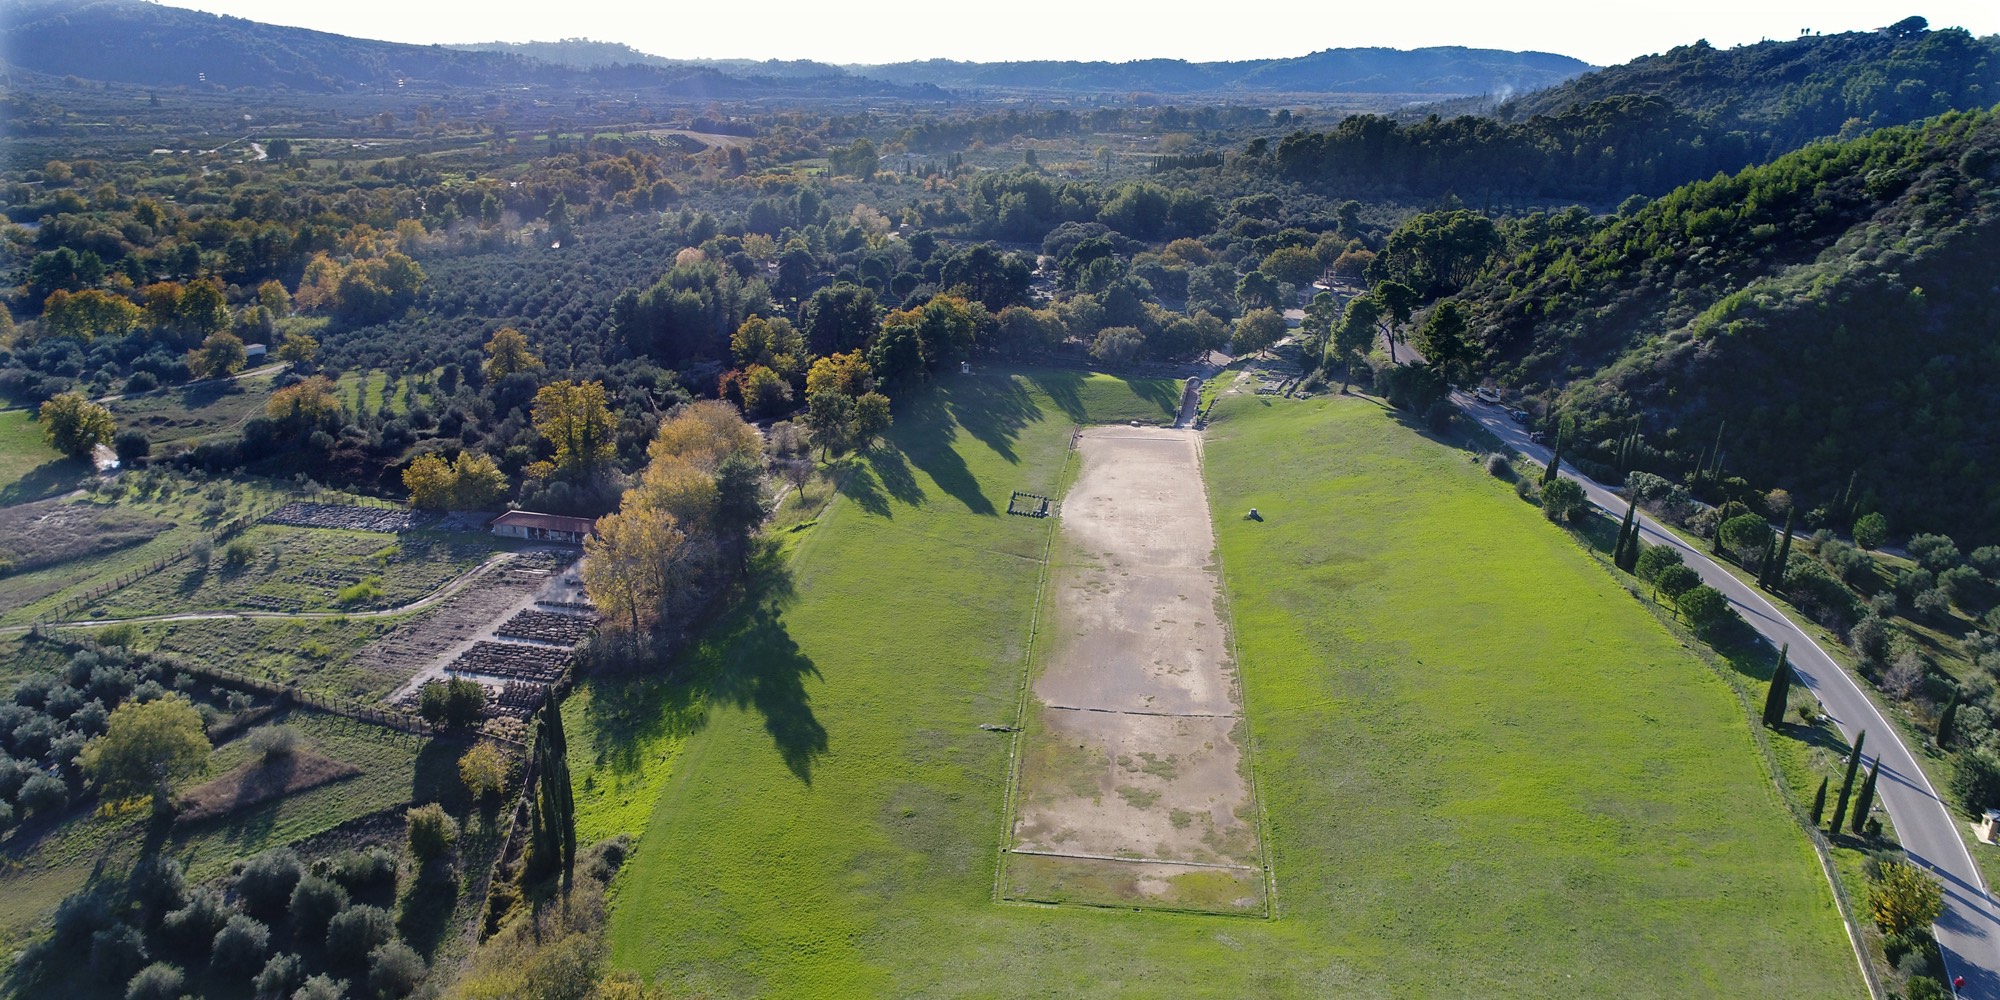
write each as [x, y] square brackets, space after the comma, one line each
[148, 44]
[1428, 72]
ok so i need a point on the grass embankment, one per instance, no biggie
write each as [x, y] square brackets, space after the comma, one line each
[1486, 773]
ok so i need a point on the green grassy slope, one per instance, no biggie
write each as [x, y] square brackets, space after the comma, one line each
[1579, 817]
[1478, 755]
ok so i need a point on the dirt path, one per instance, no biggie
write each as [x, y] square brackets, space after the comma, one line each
[1133, 786]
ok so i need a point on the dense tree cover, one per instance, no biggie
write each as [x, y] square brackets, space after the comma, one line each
[1787, 93]
[1819, 322]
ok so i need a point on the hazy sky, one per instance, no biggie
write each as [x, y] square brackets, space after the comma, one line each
[847, 31]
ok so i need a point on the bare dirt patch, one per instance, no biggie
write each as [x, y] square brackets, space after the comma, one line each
[47, 532]
[259, 781]
[423, 649]
[1133, 788]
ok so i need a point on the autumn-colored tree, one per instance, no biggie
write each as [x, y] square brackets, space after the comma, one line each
[272, 295]
[680, 489]
[628, 561]
[74, 425]
[772, 343]
[88, 314]
[847, 374]
[306, 407]
[202, 310]
[477, 482]
[704, 433]
[429, 480]
[220, 355]
[765, 392]
[507, 353]
[576, 419]
[299, 348]
[484, 770]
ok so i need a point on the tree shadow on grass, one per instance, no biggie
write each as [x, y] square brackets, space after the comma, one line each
[896, 476]
[995, 410]
[925, 436]
[47, 479]
[745, 658]
[1065, 389]
[857, 482]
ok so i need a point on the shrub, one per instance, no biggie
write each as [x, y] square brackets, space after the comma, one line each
[1707, 611]
[278, 977]
[158, 885]
[453, 703]
[193, 926]
[273, 742]
[1962, 584]
[239, 946]
[43, 794]
[1676, 580]
[1563, 501]
[356, 931]
[1986, 559]
[395, 969]
[1905, 898]
[322, 987]
[1871, 530]
[602, 861]
[314, 902]
[158, 981]
[1936, 553]
[432, 832]
[1745, 535]
[1933, 603]
[1976, 782]
[1497, 465]
[1925, 988]
[1524, 488]
[484, 770]
[265, 882]
[362, 870]
[117, 952]
[237, 554]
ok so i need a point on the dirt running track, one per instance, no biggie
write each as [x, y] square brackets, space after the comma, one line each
[1133, 786]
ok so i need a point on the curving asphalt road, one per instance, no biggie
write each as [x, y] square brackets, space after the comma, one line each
[1968, 933]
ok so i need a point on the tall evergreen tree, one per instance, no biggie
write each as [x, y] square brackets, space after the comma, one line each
[552, 812]
[1780, 690]
[1555, 460]
[1625, 555]
[1819, 802]
[1847, 783]
[1784, 555]
[1947, 719]
[1866, 800]
[1764, 565]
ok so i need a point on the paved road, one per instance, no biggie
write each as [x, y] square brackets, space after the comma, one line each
[1969, 932]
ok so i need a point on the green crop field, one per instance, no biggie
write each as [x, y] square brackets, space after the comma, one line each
[1466, 794]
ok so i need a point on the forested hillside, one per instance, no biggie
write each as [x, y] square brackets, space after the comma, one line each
[1647, 126]
[1830, 314]
[1785, 94]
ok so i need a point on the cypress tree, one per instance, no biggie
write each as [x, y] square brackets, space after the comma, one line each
[552, 811]
[1847, 783]
[1764, 566]
[1555, 459]
[1866, 799]
[1784, 555]
[1819, 802]
[1779, 692]
[1946, 719]
[1625, 555]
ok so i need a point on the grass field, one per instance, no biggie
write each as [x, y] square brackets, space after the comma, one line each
[1485, 773]
[29, 468]
[178, 418]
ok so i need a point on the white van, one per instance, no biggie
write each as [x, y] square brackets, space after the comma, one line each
[1486, 395]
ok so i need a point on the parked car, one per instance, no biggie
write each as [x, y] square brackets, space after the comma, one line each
[1520, 416]
[1488, 395]
[1537, 437]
